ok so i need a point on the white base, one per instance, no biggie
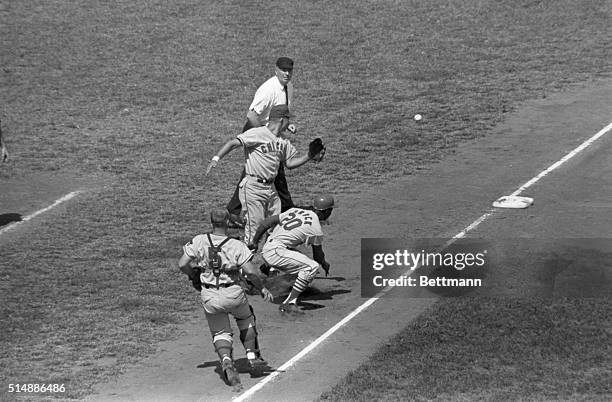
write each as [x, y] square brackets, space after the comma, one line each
[513, 201]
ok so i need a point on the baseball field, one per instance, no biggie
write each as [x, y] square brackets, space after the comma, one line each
[112, 110]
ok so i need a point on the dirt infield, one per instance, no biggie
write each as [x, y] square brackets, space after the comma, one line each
[439, 202]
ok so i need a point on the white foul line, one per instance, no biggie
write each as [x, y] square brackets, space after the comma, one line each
[40, 211]
[561, 161]
[248, 393]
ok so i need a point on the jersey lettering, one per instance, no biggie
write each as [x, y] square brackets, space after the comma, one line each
[295, 220]
[272, 147]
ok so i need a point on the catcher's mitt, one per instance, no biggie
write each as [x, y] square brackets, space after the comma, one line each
[315, 148]
[195, 279]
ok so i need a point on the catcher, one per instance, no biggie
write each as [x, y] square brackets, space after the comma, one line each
[293, 228]
[216, 263]
[265, 149]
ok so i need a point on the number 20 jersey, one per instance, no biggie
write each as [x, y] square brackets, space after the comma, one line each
[297, 226]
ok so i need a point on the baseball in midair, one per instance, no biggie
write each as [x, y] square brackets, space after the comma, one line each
[418, 117]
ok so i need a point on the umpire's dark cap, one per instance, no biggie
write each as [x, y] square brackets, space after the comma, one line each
[219, 217]
[279, 111]
[284, 63]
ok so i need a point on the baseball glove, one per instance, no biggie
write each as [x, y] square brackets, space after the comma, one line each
[319, 157]
[315, 148]
[195, 279]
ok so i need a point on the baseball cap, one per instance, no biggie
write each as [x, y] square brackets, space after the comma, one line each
[219, 216]
[279, 111]
[284, 63]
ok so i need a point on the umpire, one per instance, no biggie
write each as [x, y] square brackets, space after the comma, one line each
[278, 90]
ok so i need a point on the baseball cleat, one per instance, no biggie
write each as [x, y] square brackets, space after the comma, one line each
[257, 365]
[289, 308]
[231, 374]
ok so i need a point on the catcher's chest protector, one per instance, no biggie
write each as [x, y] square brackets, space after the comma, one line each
[214, 259]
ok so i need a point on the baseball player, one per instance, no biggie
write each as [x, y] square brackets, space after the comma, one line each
[278, 90]
[266, 149]
[3, 151]
[214, 263]
[293, 228]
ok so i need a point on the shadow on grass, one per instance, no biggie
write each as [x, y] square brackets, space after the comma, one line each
[5, 219]
[306, 306]
[330, 278]
[305, 300]
[281, 285]
[316, 294]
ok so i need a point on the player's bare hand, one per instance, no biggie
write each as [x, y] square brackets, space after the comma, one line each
[326, 267]
[211, 165]
[267, 295]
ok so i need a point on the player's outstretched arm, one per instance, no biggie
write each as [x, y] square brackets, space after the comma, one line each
[316, 151]
[225, 149]
[297, 161]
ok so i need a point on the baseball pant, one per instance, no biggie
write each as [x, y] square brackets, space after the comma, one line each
[234, 206]
[289, 261]
[219, 304]
[261, 201]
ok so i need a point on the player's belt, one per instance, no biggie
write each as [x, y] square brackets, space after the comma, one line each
[221, 285]
[261, 179]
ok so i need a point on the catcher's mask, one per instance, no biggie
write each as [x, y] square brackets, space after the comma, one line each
[219, 218]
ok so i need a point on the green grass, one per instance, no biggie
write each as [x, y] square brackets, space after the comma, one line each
[144, 92]
[467, 349]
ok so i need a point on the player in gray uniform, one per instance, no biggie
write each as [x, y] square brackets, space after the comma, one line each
[265, 149]
[278, 90]
[215, 264]
[293, 228]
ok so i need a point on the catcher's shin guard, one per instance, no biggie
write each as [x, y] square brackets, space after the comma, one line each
[223, 347]
[248, 331]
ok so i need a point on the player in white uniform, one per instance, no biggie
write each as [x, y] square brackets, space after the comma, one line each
[265, 149]
[293, 228]
[218, 278]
